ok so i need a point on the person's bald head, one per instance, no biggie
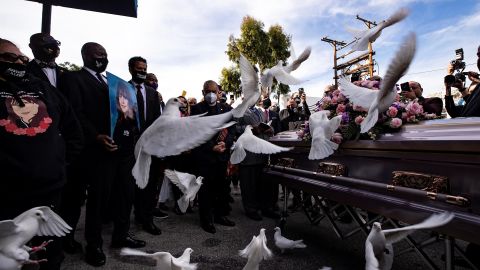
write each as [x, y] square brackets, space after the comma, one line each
[416, 88]
[94, 56]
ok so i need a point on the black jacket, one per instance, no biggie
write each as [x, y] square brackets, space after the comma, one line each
[204, 154]
[292, 118]
[153, 106]
[36, 140]
[34, 69]
[471, 107]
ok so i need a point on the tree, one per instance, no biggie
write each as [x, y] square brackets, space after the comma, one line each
[230, 80]
[261, 48]
[70, 66]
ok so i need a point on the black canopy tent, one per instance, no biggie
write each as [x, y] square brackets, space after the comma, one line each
[116, 7]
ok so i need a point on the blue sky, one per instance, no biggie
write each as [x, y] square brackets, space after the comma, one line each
[184, 40]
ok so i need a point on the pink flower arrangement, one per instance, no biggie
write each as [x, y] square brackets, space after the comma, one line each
[341, 108]
[392, 111]
[395, 122]
[411, 118]
[334, 100]
[359, 120]
[413, 108]
[337, 138]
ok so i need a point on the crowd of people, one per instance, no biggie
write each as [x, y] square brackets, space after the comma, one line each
[59, 148]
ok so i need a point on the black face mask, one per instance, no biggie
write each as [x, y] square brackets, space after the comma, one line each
[139, 76]
[46, 54]
[98, 64]
[12, 71]
[267, 103]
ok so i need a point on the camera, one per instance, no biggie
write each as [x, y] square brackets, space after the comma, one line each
[297, 100]
[458, 63]
[405, 87]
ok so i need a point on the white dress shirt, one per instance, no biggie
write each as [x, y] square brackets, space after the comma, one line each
[51, 73]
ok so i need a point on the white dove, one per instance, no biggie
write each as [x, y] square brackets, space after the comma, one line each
[370, 35]
[378, 101]
[283, 243]
[248, 141]
[165, 260]
[378, 246]
[256, 251]
[187, 183]
[322, 130]
[171, 134]
[14, 234]
[282, 73]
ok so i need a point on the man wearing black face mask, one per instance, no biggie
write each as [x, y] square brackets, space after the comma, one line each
[45, 49]
[87, 91]
[148, 110]
[39, 135]
[211, 162]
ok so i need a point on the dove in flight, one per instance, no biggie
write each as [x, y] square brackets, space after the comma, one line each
[248, 141]
[378, 246]
[283, 243]
[370, 35]
[322, 129]
[172, 135]
[14, 234]
[282, 73]
[187, 183]
[378, 101]
[164, 260]
[256, 251]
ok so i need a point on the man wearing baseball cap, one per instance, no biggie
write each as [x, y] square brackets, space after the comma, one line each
[45, 50]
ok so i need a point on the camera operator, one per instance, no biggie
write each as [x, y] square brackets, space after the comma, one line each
[471, 95]
[413, 90]
[296, 112]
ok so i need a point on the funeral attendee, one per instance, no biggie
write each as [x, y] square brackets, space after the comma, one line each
[211, 162]
[430, 105]
[45, 49]
[149, 110]
[151, 81]
[39, 136]
[471, 97]
[270, 116]
[192, 101]
[87, 91]
[296, 113]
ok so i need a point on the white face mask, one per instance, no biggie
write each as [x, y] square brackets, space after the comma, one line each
[211, 98]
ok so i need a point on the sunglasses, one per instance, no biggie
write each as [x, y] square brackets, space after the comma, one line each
[11, 57]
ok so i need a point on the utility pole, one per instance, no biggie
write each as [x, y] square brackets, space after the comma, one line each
[334, 44]
[370, 25]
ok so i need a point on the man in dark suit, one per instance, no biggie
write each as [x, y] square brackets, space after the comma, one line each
[270, 115]
[87, 91]
[211, 162]
[148, 110]
[45, 49]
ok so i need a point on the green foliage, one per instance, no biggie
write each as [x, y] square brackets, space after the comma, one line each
[261, 48]
[70, 66]
[230, 80]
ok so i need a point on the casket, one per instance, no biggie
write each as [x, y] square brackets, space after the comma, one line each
[425, 168]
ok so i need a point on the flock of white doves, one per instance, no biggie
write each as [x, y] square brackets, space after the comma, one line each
[172, 135]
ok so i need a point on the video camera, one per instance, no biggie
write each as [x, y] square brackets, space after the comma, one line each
[459, 66]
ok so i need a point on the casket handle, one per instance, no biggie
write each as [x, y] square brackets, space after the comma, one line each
[457, 200]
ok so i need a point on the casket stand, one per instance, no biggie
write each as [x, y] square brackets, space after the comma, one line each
[425, 168]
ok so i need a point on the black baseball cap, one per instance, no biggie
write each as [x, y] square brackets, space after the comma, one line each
[42, 39]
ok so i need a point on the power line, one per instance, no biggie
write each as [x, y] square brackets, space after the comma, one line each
[427, 71]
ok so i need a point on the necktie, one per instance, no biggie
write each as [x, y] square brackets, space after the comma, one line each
[140, 104]
[266, 116]
[100, 78]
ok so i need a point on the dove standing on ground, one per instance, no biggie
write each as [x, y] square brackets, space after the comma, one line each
[370, 35]
[248, 141]
[172, 135]
[378, 101]
[188, 184]
[256, 251]
[283, 243]
[378, 246]
[282, 73]
[14, 234]
[165, 260]
[322, 130]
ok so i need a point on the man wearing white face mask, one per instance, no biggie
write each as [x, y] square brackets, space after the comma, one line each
[211, 162]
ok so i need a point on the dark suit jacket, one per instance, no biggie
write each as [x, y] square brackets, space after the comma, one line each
[90, 101]
[471, 107]
[34, 69]
[275, 118]
[153, 106]
[431, 105]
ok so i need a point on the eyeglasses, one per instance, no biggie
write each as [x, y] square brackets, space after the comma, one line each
[11, 57]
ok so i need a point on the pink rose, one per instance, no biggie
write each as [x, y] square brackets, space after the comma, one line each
[392, 111]
[411, 119]
[4, 122]
[337, 138]
[414, 108]
[20, 131]
[396, 123]
[404, 116]
[334, 100]
[341, 108]
[47, 120]
[358, 120]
